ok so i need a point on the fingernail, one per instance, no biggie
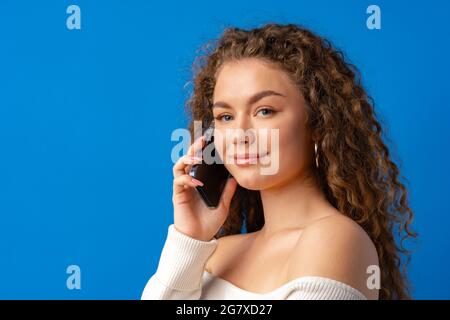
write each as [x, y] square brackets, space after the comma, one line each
[199, 140]
[197, 182]
[195, 158]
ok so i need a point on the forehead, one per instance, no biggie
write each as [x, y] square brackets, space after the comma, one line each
[242, 78]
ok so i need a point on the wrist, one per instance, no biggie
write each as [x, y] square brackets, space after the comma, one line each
[194, 235]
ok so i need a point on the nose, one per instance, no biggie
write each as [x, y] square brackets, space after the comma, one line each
[243, 134]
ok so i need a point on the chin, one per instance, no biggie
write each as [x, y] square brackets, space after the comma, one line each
[251, 178]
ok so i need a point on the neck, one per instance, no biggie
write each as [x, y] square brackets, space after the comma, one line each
[292, 205]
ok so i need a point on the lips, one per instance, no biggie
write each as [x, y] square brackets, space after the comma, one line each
[247, 158]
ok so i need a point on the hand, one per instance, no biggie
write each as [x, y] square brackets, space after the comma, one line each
[191, 215]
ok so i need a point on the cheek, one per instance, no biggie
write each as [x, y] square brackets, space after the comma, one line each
[292, 148]
[288, 142]
[219, 145]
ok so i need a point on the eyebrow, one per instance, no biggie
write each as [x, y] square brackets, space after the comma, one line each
[253, 99]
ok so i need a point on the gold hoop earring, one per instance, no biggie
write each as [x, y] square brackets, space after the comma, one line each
[316, 155]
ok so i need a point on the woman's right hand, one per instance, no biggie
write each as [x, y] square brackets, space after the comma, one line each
[191, 215]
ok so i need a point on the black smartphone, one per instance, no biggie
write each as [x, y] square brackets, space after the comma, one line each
[213, 174]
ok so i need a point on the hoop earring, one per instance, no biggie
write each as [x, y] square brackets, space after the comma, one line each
[316, 155]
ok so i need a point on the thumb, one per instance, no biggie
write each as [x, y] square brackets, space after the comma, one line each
[228, 192]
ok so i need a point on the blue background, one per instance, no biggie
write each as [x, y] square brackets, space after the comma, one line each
[86, 118]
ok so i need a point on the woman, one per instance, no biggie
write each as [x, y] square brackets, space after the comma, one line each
[322, 226]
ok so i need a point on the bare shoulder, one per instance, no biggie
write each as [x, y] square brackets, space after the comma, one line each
[226, 247]
[335, 247]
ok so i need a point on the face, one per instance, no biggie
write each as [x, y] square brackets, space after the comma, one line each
[258, 110]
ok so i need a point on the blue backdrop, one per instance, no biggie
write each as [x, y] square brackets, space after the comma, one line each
[86, 118]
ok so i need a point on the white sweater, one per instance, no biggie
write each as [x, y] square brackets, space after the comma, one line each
[181, 274]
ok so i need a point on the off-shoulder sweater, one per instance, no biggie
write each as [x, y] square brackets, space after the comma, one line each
[181, 274]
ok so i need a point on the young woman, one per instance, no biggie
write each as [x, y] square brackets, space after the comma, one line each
[322, 226]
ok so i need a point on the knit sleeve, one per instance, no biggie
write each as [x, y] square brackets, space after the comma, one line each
[180, 269]
[320, 288]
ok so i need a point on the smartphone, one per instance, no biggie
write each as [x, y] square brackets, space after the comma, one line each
[214, 175]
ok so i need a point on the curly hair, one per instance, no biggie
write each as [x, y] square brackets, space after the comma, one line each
[356, 172]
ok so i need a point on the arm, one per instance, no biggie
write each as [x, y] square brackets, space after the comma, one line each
[180, 268]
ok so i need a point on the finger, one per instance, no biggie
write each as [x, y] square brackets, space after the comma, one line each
[190, 162]
[182, 182]
[228, 192]
[180, 166]
[183, 165]
[196, 147]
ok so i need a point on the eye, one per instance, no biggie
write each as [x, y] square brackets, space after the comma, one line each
[221, 117]
[265, 111]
